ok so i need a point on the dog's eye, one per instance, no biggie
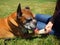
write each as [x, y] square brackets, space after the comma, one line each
[28, 20]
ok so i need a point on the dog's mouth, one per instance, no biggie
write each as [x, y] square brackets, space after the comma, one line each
[30, 25]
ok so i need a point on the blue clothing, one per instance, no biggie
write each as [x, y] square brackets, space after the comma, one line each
[42, 20]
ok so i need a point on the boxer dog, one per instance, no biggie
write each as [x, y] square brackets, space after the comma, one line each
[16, 24]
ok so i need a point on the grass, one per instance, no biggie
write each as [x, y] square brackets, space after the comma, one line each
[49, 40]
[37, 6]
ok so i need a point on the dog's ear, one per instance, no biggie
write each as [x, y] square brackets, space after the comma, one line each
[27, 7]
[19, 12]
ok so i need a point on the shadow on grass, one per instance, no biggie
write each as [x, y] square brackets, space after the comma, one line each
[57, 37]
[37, 36]
[30, 38]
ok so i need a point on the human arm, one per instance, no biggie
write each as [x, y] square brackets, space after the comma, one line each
[55, 17]
[48, 27]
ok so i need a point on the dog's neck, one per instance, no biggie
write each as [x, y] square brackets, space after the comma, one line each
[12, 18]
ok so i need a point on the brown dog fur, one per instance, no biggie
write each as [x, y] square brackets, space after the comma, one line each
[9, 27]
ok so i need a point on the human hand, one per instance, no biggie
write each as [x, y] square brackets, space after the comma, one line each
[36, 31]
[48, 27]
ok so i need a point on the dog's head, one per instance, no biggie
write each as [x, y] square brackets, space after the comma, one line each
[26, 18]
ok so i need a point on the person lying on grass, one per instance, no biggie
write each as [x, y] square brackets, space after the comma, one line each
[47, 24]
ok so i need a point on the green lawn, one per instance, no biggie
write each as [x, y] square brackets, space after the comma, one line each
[37, 6]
